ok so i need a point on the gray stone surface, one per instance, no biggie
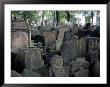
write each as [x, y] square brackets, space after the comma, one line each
[19, 39]
[82, 73]
[50, 38]
[67, 52]
[57, 66]
[15, 74]
[42, 70]
[29, 73]
[59, 41]
[33, 58]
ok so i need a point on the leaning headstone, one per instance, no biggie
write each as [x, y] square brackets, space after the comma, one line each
[42, 70]
[33, 58]
[15, 74]
[29, 73]
[82, 73]
[59, 40]
[57, 66]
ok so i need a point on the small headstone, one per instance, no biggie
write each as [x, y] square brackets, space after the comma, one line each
[82, 73]
[33, 58]
[29, 73]
[15, 74]
[57, 66]
[42, 70]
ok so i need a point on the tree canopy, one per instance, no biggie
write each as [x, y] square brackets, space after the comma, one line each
[33, 18]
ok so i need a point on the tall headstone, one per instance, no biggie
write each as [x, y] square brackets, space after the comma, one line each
[60, 38]
[19, 35]
[67, 48]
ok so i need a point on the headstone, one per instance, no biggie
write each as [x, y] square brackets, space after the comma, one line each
[29, 73]
[19, 39]
[78, 66]
[92, 43]
[67, 52]
[82, 73]
[57, 66]
[33, 57]
[84, 64]
[19, 35]
[15, 74]
[42, 70]
[80, 46]
[60, 38]
[50, 38]
[19, 59]
[19, 25]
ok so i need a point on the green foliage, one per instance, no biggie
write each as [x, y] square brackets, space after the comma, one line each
[33, 17]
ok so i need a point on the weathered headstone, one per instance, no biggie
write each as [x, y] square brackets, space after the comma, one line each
[84, 64]
[60, 38]
[57, 66]
[50, 38]
[67, 52]
[42, 70]
[80, 46]
[78, 66]
[18, 59]
[19, 39]
[19, 35]
[29, 73]
[94, 63]
[33, 58]
[82, 73]
[15, 74]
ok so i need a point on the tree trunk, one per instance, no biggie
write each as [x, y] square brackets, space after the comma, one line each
[42, 18]
[57, 17]
[54, 19]
[92, 14]
[68, 15]
[97, 19]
